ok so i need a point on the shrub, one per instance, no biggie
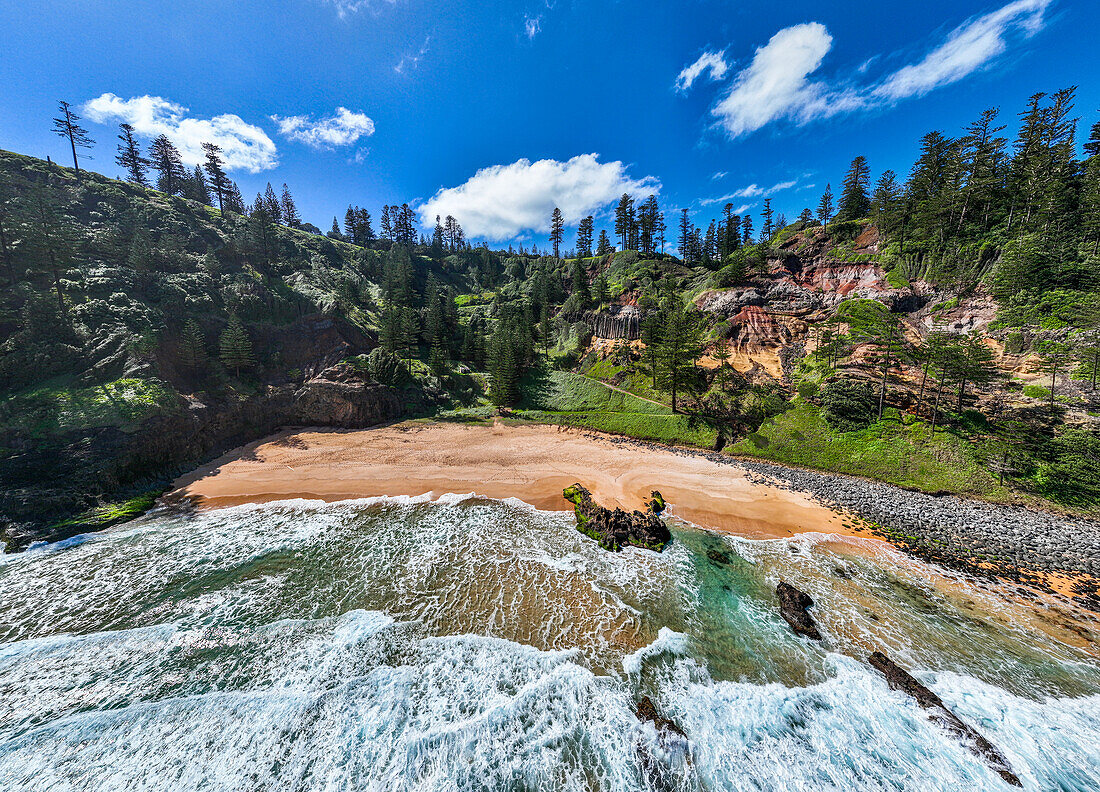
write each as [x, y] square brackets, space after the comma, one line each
[386, 368]
[807, 389]
[848, 404]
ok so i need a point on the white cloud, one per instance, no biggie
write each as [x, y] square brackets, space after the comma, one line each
[341, 129]
[532, 25]
[966, 49]
[714, 62]
[719, 175]
[752, 191]
[774, 85]
[777, 83]
[244, 146]
[503, 201]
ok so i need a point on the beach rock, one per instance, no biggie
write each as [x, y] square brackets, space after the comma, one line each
[900, 679]
[616, 529]
[656, 503]
[666, 760]
[792, 606]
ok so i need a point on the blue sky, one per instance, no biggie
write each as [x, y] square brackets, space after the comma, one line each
[496, 112]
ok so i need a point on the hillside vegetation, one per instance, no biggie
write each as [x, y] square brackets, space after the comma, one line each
[938, 331]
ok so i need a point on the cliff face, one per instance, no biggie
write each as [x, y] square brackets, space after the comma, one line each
[48, 482]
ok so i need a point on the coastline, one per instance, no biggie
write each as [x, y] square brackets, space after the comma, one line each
[531, 463]
[756, 500]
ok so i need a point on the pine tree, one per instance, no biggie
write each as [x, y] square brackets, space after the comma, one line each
[290, 210]
[825, 207]
[579, 278]
[167, 162]
[624, 221]
[854, 201]
[603, 246]
[335, 232]
[884, 202]
[215, 169]
[387, 224]
[769, 221]
[235, 201]
[678, 346]
[235, 347]
[746, 229]
[192, 346]
[437, 234]
[66, 126]
[685, 238]
[584, 237]
[453, 234]
[49, 240]
[557, 229]
[272, 205]
[195, 187]
[710, 243]
[129, 156]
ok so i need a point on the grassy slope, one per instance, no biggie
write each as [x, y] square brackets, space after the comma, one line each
[889, 451]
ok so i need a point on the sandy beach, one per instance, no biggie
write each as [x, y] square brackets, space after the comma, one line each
[531, 463]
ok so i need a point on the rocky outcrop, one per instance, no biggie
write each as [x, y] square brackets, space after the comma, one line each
[618, 321]
[49, 483]
[617, 529]
[663, 765]
[792, 606]
[900, 679]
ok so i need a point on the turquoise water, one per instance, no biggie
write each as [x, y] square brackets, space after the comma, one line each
[470, 644]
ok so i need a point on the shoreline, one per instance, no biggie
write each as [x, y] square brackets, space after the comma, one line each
[1048, 553]
[532, 463]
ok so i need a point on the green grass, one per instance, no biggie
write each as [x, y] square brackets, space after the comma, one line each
[123, 403]
[1036, 392]
[888, 451]
[633, 381]
[673, 429]
[896, 279]
[564, 391]
[563, 398]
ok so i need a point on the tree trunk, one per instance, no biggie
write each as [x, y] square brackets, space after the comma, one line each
[882, 388]
[923, 379]
[72, 143]
[962, 392]
[936, 405]
[1053, 381]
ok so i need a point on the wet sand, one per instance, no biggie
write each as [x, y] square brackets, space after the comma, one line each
[531, 463]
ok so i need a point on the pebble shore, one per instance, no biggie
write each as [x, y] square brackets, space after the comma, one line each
[984, 539]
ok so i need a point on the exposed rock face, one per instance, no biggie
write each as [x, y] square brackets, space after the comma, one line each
[340, 397]
[51, 483]
[792, 606]
[616, 529]
[618, 321]
[900, 679]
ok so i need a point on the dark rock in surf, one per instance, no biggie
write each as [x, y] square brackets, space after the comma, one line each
[646, 710]
[616, 529]
[900, 679]
[672, 748]
[792, 606]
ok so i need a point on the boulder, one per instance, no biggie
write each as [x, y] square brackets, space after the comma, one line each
[669, 758]
[616, 529]
[900, 679]
[792, 606]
